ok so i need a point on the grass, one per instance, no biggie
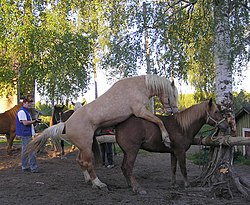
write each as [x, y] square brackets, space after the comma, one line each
[4, 141]
[240, 159]
[201, 158]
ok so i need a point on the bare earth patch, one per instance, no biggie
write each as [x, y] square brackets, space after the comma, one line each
[61, 182]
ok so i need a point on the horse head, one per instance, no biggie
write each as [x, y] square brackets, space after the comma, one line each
[215, 116]
[58, 111]
[77, 105]
[34, 113]
[170, 99]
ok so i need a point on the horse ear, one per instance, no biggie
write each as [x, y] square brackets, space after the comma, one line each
[72, 103]
[210, 102]
[172, 83]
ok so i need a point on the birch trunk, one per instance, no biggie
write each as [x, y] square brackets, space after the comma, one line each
[147, 52]
[219, 172]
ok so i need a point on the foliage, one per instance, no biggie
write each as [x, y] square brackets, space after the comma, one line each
[58, 44]
[185, 101]
[240, 159]
[181, 37]
[45, 109]
[241, 99]
[40, 44]
[200, 157]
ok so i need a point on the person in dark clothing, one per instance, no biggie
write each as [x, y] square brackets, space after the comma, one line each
[106, 149]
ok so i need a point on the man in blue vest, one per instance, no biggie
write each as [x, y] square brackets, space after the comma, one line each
[25, 130]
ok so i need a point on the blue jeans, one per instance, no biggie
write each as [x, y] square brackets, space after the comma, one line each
[30, 160]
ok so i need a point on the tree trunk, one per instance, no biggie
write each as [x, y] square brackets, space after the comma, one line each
[147, 51]
[219, 173]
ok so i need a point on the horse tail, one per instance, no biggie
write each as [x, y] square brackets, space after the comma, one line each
[96, 151]
[54, 132]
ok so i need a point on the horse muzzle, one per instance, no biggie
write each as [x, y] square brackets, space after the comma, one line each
[223, 126]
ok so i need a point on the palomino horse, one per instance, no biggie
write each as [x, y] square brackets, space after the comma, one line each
[137, 133]
[126, 97]
[8, 124]
[59, 115]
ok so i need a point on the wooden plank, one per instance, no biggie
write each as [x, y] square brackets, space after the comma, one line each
[221, 140]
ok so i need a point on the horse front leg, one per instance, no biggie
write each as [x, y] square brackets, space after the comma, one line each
[173, 169]
[142, 112]
[84, 159]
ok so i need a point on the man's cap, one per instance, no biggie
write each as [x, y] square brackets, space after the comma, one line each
[28, 99]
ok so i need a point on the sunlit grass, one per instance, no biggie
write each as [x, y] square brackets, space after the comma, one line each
[4, 141]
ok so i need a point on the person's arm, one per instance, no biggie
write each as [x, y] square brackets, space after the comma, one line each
[28, 122]
[23, 119]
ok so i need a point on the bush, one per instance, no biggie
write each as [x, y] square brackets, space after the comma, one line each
[240, 159]
[200, 157]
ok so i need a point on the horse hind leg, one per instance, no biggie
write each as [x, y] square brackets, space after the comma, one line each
[10, 139]
[85, 172]
[84, 159]
[181, 157]
[182, 164]
[9, 144]
[147, 115]
[173, 169]
[127, 169]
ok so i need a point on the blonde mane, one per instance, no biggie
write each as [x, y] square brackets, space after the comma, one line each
[186, 117]
[157, 84]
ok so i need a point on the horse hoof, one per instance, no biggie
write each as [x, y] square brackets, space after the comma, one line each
[174, 186]
[100, 186]
[142, 192]
[187, 185]
[167, 144]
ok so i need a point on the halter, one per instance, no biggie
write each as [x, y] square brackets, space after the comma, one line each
[215, 121]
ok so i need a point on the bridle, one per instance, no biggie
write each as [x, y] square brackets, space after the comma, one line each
[217, 123]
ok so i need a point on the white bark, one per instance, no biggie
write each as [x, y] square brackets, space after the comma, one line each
[222, 54]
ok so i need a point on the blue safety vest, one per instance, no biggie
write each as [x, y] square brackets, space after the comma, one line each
[21, 129]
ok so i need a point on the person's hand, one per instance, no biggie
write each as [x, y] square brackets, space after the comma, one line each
[38, 120]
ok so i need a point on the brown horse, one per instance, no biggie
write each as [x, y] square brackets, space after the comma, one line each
[126, 97]
[137, 133]
[8, 124]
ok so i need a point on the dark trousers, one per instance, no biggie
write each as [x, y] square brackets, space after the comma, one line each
[106, 149]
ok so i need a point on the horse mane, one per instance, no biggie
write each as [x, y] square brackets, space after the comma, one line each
[157, 84]
[186, 117]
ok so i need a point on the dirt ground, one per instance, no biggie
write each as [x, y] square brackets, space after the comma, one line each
[61, 182]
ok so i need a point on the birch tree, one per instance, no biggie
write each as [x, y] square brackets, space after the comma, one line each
[219, 170]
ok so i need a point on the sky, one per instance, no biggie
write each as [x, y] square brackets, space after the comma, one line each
[103, 86]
